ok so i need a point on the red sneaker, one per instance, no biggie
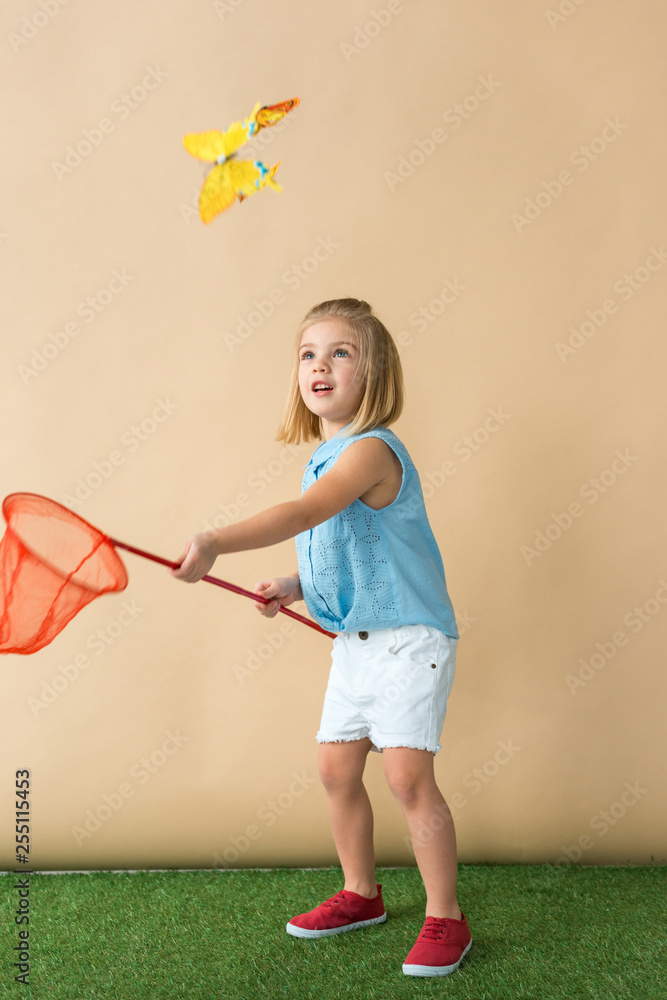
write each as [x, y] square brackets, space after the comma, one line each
[346, 911]
[439, 948]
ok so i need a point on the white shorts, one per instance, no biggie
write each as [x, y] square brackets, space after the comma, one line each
[392, 685]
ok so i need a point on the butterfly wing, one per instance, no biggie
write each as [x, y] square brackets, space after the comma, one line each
[249, 176]
[272, 113]
[269, 175]
[207, 146]
[215, 145]
[234, 179]
[217, 193]
[246, 177]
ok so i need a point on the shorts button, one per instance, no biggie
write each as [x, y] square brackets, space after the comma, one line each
[363, 635]
[433, 665]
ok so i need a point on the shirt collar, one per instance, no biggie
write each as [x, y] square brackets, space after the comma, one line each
[326, 449]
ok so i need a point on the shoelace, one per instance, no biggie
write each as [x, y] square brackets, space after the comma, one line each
[435, 932]
[336, 900]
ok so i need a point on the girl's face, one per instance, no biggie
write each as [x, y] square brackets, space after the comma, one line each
[328, 357]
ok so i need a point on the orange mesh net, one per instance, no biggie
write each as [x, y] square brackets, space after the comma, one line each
[52, 563]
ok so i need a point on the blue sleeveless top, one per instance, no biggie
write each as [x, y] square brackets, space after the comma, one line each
[366, 569]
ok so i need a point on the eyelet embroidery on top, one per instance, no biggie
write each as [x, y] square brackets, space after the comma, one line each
[353, 570]
[361, 577]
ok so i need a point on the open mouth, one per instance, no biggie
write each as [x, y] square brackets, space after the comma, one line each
[322, 388]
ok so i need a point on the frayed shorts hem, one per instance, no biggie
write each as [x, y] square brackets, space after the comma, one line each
[379, 745]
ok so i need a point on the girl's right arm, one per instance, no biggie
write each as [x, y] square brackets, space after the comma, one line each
[361, 466]
[285, 590]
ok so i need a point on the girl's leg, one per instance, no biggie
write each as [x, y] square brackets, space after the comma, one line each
[410, 776]
[341, 767]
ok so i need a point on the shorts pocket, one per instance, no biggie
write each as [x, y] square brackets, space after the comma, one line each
[417, 644]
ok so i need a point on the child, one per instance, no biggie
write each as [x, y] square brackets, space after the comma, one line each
[370, 570]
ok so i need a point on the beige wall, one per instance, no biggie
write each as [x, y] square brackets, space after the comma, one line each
[412, 162]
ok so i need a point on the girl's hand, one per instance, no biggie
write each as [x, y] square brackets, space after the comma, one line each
[285, 590]
[197, 557]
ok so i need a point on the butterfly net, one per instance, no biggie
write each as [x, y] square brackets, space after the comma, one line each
[52, 563]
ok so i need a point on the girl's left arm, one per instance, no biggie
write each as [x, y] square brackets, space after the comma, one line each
[361, 466]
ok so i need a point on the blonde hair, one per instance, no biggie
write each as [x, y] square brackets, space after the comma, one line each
[379, 364]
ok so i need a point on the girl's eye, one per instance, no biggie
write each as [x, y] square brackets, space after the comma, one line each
[339, 350]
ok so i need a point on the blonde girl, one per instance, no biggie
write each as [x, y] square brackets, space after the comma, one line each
[369, 569]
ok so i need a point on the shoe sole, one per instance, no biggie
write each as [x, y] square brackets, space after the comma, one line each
[305, 932]
[435, 970]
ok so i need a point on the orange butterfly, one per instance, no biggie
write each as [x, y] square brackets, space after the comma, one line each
[231, 178]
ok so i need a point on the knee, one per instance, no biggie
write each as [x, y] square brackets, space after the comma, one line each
[335, 775]
[408, 784]
[405, 788]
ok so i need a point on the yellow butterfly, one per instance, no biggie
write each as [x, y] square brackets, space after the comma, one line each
[231, 178]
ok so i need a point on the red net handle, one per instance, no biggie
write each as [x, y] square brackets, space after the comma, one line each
[223, 583]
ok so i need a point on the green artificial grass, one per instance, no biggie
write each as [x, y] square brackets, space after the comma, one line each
[539, 933]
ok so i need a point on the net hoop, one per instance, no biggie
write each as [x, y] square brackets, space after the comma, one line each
[102, 542]
[54, 562]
